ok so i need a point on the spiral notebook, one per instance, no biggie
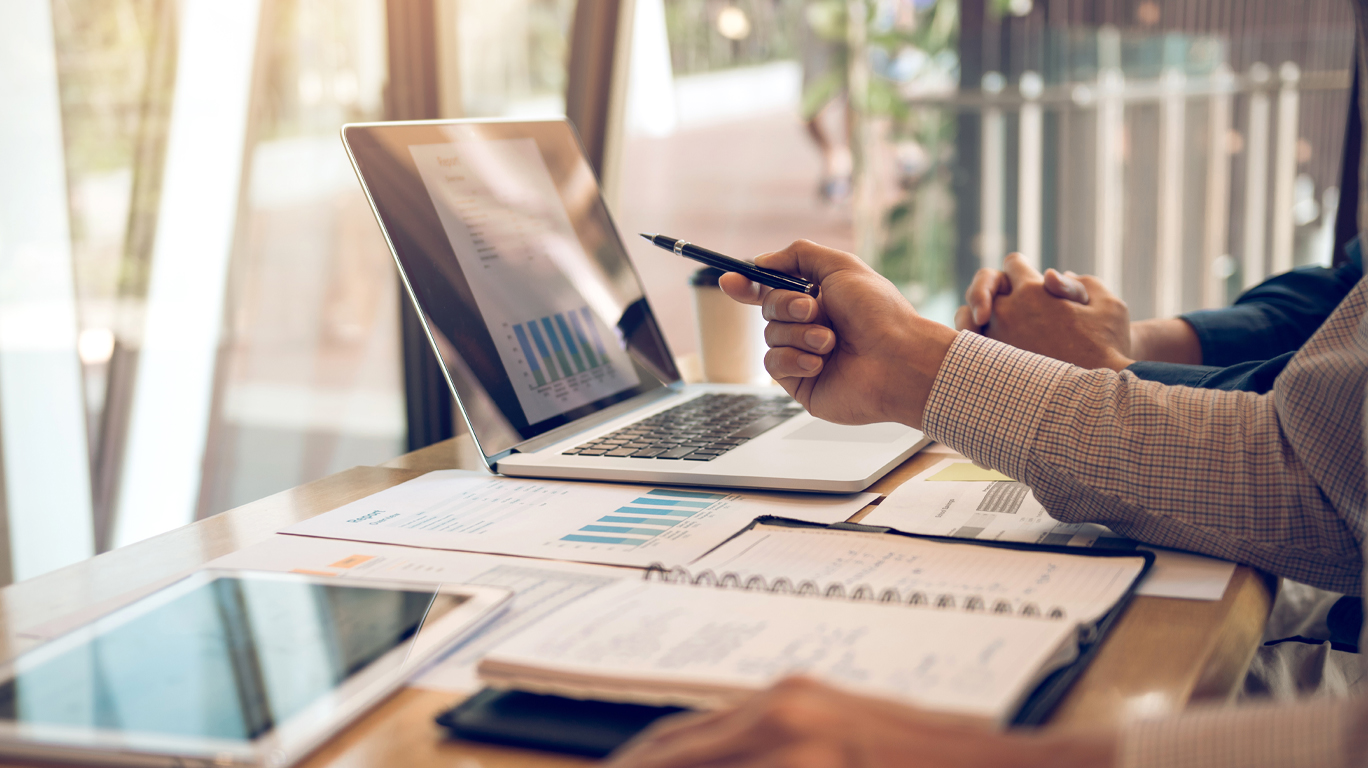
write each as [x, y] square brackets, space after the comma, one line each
[995, 633]
[848, 561]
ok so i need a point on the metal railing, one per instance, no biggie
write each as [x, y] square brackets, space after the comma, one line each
[1179, 167]
[1267, 148]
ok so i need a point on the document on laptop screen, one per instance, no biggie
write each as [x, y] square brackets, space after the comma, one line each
[519, 252]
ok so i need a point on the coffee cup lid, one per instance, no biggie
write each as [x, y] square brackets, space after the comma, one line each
[706, 277]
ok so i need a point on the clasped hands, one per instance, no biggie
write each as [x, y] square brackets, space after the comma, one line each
[1058, 314]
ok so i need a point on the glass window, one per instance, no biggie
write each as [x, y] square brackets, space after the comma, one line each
[510, 57]
[1182, 157]
[235, 305]
[308, 380]
[231, 309]
[719, 148]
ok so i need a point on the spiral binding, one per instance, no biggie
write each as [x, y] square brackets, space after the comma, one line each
[837, 591]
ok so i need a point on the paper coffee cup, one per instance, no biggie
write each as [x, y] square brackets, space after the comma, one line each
[731, 335]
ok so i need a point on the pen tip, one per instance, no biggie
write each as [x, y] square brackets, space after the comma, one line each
[648, 237]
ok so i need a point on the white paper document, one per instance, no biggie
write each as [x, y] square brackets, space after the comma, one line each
[934, 573]
[586, 522]
[957, 498]
[540, 588]
[664, 643]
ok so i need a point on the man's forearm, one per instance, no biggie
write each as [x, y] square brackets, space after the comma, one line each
[1166, 340]
[1101, 447]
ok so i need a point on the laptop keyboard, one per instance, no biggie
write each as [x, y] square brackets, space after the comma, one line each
[700, 430]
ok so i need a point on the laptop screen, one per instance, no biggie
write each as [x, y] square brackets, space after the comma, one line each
[524, 284]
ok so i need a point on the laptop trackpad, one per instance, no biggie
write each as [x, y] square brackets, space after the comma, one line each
[865, 433]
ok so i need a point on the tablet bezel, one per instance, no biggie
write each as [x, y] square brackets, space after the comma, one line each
[289, 740]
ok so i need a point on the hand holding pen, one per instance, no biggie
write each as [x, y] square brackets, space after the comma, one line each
[856, 354]
[769, 277]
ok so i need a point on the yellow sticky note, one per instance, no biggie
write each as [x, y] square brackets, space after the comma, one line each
[964, 471]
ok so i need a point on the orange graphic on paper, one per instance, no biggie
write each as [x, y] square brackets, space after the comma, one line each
[351, 561]
[309, 572]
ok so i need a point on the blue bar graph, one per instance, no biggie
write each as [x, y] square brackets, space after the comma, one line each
[598, 340]
[583, 340]
[556, 346]
[600, 540]
[661, 508]
[616, 529]
[541, 347]
[570, 343]
[529, 355]
[673, 502]
[686, 494]
[655, 511]
[638, 520]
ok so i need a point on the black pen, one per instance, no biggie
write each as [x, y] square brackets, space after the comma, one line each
[770, 277]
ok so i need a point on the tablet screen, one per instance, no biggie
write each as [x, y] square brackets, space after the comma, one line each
[229, 659]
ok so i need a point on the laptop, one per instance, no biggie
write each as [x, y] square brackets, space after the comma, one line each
[544, 334]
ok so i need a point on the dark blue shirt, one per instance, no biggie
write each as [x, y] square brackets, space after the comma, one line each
[1246, 345]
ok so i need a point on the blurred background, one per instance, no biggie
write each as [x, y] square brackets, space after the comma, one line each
[198, 310]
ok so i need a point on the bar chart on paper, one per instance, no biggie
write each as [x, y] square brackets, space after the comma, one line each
[562, 520]
[561, 347]
[637, 522]
[960, 499]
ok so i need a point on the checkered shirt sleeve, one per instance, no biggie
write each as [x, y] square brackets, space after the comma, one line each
[1177, 466]
[1276, 481]
[1269, 736]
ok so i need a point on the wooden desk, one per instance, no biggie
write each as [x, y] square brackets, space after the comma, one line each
[1161, 656]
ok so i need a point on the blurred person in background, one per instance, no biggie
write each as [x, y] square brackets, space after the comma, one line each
[826, 105]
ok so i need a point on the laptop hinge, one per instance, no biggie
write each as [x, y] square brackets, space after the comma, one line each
[589, 422]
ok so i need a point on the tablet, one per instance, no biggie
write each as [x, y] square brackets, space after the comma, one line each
[228, 668]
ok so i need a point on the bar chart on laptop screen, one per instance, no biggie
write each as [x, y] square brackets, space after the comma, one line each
[547, 306]
[641, 520]
[564, 346]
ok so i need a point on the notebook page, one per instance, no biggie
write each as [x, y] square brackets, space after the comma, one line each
[1082, 588]
[666, 643]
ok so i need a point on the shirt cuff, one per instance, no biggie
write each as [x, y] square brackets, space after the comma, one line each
[1311, 734]
[987, 400]
[1232, 335]
[1173, 374]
